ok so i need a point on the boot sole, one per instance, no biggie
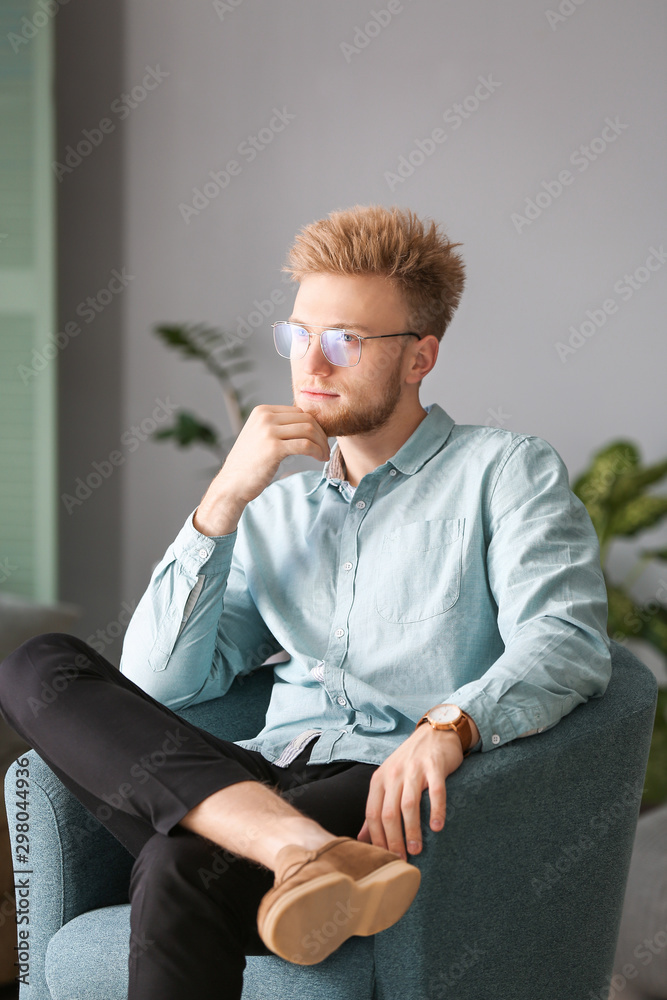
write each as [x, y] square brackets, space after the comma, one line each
[310, 922]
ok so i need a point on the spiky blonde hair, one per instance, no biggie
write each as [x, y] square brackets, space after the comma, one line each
[394, 242]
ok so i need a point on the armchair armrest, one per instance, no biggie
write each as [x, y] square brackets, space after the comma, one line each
[73, 863]
[522, 889]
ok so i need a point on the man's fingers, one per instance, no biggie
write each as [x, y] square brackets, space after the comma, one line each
[302, 423]
[276, 406]
[392, 819]
[287, 432]
[438, 797]
[411, 816]
[374, 804]
[364, 834]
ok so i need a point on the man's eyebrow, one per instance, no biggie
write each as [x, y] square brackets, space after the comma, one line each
[335, 326]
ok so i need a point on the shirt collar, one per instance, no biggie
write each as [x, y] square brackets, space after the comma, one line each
[429, 435]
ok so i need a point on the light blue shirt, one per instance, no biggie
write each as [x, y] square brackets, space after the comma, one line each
[463, 569]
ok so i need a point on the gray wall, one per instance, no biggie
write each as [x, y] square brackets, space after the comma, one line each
[356, 113]
[88, 61]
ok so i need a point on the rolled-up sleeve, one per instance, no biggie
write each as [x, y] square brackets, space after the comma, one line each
[196, 627]
[543, 563]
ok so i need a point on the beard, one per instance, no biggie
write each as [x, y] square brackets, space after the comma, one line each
[343, 419]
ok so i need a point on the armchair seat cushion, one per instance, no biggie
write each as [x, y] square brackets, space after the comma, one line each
[84, 957]
[87, 959]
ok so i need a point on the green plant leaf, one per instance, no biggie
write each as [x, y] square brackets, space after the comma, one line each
[636, 515]
[655, 553]
[595, 485]
[246, 410]
[188, 429]
[631, 484]
[655, 628]
[226, 357]
[177, 337]
[234, 367]
[623, 619]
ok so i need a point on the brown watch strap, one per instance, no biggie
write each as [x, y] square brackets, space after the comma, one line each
[468, 727]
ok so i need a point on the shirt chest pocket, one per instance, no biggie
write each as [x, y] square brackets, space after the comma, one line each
[419, 572]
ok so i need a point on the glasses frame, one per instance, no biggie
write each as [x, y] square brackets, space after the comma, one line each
[336, 329]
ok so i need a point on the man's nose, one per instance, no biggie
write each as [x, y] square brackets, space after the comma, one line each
[315, 358]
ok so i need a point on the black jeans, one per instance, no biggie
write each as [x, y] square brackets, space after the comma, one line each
[139, 768]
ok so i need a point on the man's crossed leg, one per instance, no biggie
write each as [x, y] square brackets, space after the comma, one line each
[306, 869]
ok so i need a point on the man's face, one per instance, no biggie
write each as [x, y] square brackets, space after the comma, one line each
[363, 396]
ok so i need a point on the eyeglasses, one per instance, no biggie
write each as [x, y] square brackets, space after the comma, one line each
[340, 347]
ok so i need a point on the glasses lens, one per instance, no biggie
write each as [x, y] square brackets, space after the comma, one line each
[291, 341]
[340, 347]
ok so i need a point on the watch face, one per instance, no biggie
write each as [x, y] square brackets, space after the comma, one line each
[445, 713]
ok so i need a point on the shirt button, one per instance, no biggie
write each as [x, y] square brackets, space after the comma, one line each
[495, 738]
[392, 472]
[340, 631]
[341, 700]
[361, 504]
[347, 565]
[203, 553]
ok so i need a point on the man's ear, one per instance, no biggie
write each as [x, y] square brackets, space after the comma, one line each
[425, 358]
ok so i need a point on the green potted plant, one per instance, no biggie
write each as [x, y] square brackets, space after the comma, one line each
[225, 356]
[614, 491]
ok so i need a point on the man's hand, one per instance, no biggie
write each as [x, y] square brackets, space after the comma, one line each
[422, 761]
[271, 433]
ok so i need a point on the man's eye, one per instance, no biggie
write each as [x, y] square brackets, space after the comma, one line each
[348, 338]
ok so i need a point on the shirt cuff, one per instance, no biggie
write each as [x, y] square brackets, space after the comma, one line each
[194, 550]
[494, 727]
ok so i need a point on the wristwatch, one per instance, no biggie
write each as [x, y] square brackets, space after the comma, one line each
[448, 716]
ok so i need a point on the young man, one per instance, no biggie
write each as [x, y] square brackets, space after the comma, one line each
[438, 590]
